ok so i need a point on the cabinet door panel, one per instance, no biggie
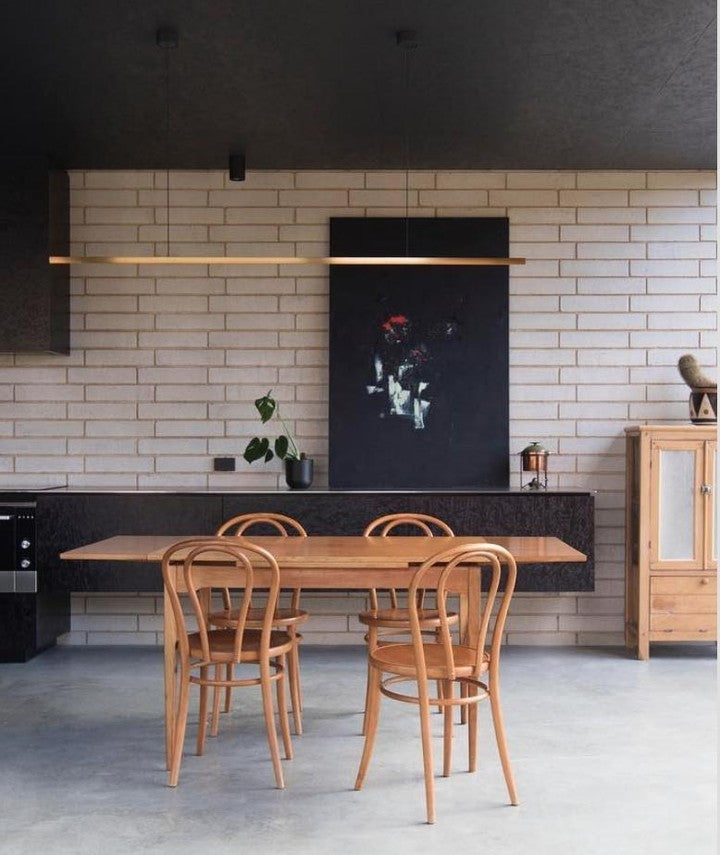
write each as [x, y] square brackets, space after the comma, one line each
[710, 483]
[676, 524]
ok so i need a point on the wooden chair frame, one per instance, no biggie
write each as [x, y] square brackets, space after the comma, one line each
[397, 620]
[282, 524]
[450, 664]
[271, 651]
[382, 527]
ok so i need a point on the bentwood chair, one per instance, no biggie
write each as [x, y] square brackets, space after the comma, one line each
[393, 621]
[285, 618]
[453, 665]
[263, 648]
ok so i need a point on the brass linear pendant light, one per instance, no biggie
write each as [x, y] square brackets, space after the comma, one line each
[167, 39]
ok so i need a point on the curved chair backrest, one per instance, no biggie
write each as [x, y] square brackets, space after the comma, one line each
[279, 523]
[384, 526]
[246, 559]
[476, 558]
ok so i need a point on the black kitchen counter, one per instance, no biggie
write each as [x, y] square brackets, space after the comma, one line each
[182, 491]
[68, 517]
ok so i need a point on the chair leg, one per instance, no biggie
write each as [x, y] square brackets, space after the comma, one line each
[298, 686]
[439, 683]
[372, 714]
[440, 688]
[472, 729]
[447, 728]
[368, 680]
[293, 662]
[502, 742]
[266, 687]
[371, 645]
[463, 707]
[215, 718]
[202, 714]
[228, 689]
[282, 711]
[180, 725]
[424, 707]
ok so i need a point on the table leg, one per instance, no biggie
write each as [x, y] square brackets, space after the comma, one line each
[170, 639]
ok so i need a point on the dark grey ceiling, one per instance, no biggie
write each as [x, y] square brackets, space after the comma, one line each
[313, 84]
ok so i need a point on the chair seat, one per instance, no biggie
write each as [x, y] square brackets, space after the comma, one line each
[222, 642]
[400, 618]
[282, 617]
[400, 659]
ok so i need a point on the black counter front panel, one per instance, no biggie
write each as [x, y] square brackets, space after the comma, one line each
[70, 520]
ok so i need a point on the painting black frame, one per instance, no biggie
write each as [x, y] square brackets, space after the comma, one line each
[464, 441]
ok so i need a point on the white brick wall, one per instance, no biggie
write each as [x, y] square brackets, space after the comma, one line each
[166, 361]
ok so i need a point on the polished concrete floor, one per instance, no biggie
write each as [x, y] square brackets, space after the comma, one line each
[611, 756]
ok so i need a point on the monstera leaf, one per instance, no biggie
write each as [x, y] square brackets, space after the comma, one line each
[257, 449]
[266, 407]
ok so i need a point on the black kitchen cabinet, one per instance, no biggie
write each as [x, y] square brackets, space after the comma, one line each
[34, 223]
[67, 518]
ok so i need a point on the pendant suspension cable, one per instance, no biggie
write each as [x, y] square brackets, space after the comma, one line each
[167, 39]
[407, 41]
[406, 154]
[167, 151]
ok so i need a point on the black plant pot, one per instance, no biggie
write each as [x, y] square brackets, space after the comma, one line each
[298, 473]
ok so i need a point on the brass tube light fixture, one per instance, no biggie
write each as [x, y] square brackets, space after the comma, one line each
[284, 259]
[167, 39]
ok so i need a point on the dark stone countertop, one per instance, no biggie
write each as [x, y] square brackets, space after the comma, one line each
[445, 491]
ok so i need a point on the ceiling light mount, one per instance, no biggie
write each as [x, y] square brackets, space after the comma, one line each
[407, 39]
[236, 166]
[167, 37]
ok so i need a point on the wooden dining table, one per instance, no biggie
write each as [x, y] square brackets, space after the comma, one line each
[327, 562]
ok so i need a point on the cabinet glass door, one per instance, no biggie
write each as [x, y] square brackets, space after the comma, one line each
[676, 524]
[710, 489]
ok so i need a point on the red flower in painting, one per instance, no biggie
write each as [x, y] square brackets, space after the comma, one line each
[394, 321]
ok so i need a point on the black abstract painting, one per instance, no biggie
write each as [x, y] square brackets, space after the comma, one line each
[419, 357]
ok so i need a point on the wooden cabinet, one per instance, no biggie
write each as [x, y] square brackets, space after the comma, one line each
[670, 554]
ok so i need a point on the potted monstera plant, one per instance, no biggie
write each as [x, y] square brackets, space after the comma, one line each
[298, 467]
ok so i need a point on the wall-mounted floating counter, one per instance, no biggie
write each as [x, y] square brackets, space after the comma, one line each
[69, 517]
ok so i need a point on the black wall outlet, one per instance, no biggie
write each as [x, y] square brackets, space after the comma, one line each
[224, 464]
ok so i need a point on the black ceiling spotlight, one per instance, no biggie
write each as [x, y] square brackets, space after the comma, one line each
[236, 166]
[406, 39]
[167, 37]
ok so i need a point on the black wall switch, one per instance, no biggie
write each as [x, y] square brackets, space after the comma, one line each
[224, 464]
